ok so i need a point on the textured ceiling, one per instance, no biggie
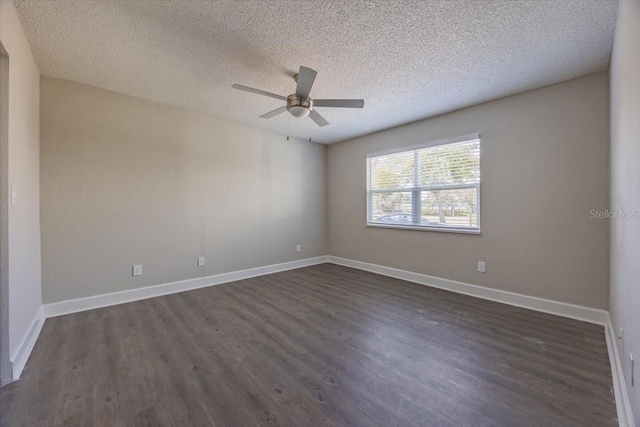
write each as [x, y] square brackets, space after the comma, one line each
[408, 59]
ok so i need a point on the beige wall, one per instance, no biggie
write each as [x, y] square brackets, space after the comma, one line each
[126, 181]
[23, 141]
[625, 190]
[544, 167]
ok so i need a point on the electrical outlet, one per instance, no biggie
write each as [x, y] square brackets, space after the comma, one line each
[13, 194]
[481, 267]
[298, 248]
[137, 270]
[201, 261]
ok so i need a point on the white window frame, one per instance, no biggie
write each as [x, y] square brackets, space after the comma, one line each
[416, 191]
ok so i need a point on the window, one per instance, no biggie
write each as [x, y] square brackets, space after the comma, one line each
[431, 187]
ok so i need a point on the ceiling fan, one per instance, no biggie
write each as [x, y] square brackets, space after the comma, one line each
[299, 104]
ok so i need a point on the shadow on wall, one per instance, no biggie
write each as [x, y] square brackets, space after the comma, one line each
[6, 371]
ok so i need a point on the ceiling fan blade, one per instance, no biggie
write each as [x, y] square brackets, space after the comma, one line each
[306, 77]
[274, 112]
[340, 103]
[260, 92]
[316, 117]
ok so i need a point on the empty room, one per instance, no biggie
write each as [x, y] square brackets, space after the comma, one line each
[319, 213]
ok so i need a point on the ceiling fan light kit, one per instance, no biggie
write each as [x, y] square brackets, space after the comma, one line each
[299, 104]
[299, 107]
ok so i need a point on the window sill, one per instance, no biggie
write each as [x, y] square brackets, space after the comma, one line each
[418, 228]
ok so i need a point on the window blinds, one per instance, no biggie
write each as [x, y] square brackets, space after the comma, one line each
[434, 186]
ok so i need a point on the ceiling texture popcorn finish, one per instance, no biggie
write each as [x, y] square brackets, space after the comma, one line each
[408, 59]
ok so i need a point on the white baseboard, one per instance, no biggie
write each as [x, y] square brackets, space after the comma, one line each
[578, 312]
[22, 351]
[623, 403]
[105, 300]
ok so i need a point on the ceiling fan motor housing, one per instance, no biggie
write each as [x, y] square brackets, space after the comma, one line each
[299, 107]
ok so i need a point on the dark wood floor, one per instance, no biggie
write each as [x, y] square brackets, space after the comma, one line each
[324, 345]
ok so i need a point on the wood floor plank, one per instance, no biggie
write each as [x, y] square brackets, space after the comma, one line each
[319, 346]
